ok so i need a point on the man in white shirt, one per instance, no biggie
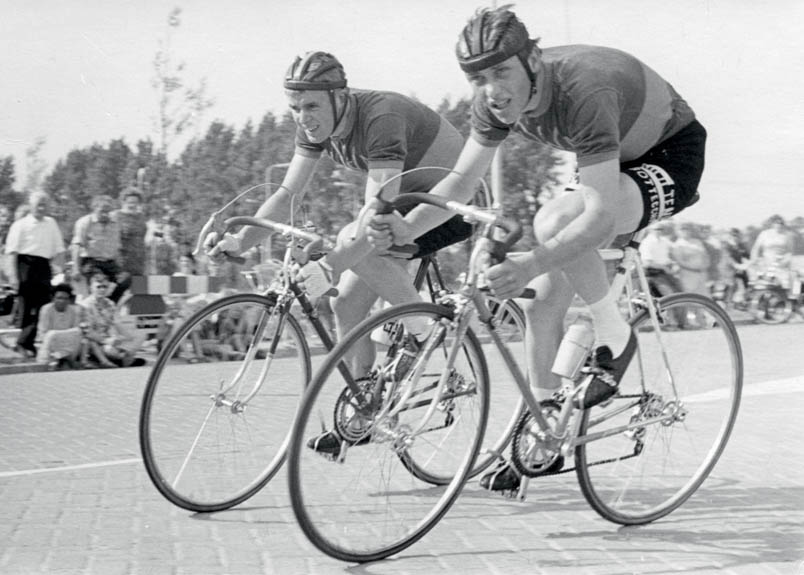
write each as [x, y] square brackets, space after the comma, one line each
[656, 248]
[33, 241]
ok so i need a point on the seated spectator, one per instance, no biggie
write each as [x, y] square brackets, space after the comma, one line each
[109, 342]
[59, 334]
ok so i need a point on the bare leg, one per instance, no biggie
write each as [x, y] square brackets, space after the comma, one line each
[544, 329]
[352, 305]
[372, 277]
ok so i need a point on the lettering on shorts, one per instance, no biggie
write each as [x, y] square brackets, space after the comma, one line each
[660, 190]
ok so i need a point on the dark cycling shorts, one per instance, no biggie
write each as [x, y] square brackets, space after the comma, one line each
[669, 173]
[452, 231]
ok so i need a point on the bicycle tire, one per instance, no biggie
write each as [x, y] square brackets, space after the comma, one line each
[202, 454]
[636, 476]
[349, 510]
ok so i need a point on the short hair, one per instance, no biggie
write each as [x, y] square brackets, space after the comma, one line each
[64, 287]
[101, 199]
[131, 191]
[38, 195]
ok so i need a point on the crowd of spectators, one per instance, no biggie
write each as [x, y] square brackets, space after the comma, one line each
[693, 257]
[68, 297]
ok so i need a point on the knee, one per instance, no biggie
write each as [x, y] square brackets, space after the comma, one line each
[549, 220]
[348, 303]
[346, 233]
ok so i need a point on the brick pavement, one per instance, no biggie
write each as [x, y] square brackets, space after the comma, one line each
[95, 511]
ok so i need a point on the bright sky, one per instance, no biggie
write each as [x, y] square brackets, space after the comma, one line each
[78, 72]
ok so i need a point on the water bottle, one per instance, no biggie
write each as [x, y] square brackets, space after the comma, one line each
[574, 348]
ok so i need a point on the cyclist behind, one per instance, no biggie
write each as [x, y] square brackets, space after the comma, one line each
[380, 134]
[640, 155]
[772, 252]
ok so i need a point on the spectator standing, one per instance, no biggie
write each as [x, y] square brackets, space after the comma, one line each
[186, 265]
[656, 250]
[773, 251]
[96, 242]
[33, 241]
[5, 224]
[162, 243]
[59, 329]
[692, 257]
[132, 225]
[739, 257]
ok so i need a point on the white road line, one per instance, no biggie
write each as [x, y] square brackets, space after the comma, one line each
[778, 386]
[69, 467]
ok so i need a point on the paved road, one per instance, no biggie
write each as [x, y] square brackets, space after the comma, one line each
[76, 499]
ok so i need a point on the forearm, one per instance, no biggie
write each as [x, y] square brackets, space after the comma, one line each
[276, 208]
[459, 185]
[76, 251]
[424, 218]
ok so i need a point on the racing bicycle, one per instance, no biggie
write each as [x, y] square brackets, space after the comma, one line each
[410, 442]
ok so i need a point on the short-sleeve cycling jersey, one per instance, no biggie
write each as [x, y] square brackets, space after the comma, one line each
[600, 103]
[389, 130]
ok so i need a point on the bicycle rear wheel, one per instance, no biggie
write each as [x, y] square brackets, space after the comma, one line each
[653, 445]
[219, 402]
[379, 498]
[772, 306]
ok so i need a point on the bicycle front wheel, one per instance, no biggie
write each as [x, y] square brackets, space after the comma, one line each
[219, 402]
[374, 495]
[647, 451]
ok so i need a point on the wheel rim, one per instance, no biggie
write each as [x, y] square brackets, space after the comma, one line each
[650, 470]
[207, 451]
[369, 505]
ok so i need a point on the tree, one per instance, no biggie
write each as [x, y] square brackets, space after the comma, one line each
[8, 196]
[35, 166]
[180, 105]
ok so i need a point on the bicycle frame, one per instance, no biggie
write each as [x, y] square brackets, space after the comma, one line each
[469, 299]
[289, 291]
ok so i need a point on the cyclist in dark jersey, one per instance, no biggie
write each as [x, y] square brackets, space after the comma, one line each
[640, 156]
[381, 134]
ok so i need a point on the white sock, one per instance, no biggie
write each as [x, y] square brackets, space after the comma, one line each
[611, 329]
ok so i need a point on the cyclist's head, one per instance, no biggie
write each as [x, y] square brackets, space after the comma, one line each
[312, 80]
[776, 220]
[498, 57]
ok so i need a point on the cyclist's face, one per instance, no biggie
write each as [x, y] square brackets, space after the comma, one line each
[505, 88]
[313, 112]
